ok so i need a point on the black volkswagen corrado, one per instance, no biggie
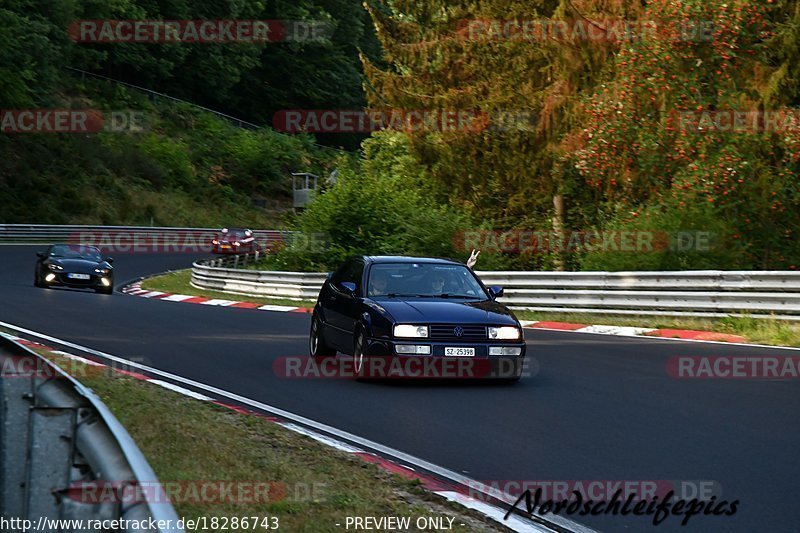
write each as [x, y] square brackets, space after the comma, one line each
[75, 266]
[416, 317]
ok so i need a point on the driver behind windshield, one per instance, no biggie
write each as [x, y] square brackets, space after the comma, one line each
[75, 252]
[437, 283]
[378, 284]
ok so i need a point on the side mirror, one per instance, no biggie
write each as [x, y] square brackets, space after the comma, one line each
[348, 287]
[109, 260]
[496, 291]
[40, 255]
[329, 276]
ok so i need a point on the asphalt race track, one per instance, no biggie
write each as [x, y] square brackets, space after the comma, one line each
[600, 408]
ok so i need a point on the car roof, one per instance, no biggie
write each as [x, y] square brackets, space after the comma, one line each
[75, 246]
[377, 259]
[235, 230]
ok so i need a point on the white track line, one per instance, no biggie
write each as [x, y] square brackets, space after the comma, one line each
[625, 331]
[176, 298]
[458, 479]
[650, 337]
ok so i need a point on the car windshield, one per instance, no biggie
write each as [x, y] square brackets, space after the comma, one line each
[76, 252]
[235, 234]
[424, 280]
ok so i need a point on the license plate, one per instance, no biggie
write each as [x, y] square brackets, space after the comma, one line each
[225, 246]
[459, 352]
[78, 276]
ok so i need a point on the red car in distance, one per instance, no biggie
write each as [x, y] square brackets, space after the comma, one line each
[234, 241]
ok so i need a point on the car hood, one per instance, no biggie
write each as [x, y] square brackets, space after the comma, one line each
[442, 311]
[79, 266]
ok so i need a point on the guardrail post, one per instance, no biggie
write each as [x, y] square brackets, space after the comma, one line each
[15, 407]
[54, 433]
[51, 438]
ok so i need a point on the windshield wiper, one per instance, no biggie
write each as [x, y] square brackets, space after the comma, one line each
[398, 295]
[466, 296]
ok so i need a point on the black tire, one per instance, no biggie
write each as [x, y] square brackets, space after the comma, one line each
[359, 360]
[317, 347]
[36, 280]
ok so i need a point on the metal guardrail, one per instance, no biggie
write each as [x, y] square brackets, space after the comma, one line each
[710, 293]
[56, 434]
[154, 94]
[213, 275]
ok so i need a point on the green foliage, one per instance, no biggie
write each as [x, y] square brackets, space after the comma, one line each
[667, 236]
[645, 143]
[248, 80]
[379, 209]
[31, 50]
[605, 130]
[187, 156]
[186, 168]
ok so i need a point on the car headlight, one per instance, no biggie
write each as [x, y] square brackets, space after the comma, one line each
[55, 268]
[407, 330]
[103, 271]
[504, 332]
[215, 241]
[237, 244]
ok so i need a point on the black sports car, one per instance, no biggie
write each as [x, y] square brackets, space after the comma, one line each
[415, 317]
[74, 266]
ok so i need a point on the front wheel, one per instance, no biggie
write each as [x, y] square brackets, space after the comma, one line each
[36, 281]
[316, 341]
[358, 356]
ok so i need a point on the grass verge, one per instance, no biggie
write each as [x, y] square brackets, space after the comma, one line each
[191, 441]
[755, 330]
[179, 283]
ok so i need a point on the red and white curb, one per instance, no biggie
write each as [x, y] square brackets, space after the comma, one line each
[135, 289]
[465, 494]
[628, 331]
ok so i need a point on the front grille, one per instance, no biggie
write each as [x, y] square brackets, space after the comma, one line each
[447, 331]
